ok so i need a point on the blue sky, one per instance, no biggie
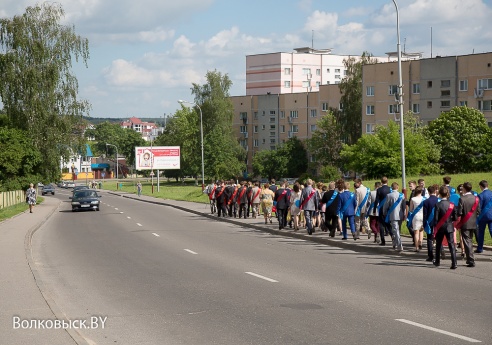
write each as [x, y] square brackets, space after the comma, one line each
[146, 54]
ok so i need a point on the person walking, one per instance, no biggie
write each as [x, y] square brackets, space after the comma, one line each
[362, 194]
[347, 211]
[383, 191]
[429, 207]
[266, 197]
[331, 200]
[221, 198]
[373, 218]
[255, 199]
[444, 215]
[468, 209]
[485, 217]
[295, 203]
[242, 199]
[393, 210]
[309, 204]
[282, 202]
[411, 186]
[139, 188]
[415, 218]
[31, 196]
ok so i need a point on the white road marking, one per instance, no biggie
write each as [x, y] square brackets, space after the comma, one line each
[129, 217]
[121, 212]
[262, 277]
[156, 235]
[139, 224]
[116, 208]
[471, 340]
[190, 251]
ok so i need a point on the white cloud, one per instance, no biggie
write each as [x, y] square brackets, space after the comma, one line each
[123, 73]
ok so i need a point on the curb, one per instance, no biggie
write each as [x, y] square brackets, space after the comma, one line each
[73, 333]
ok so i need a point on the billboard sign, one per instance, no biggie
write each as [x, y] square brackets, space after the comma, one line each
[157, 157]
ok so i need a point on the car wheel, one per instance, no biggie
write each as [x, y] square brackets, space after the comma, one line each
[97, 209]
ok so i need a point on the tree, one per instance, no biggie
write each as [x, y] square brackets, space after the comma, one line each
[464, 138]
[350, 120]
[270, 164]
[325, 144]
[295, 152]
[37, 88]
[380, 154]
[19, 159]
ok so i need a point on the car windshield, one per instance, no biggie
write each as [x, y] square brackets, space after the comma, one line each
[86, 194]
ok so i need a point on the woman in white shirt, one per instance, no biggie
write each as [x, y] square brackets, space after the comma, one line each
[417, 217]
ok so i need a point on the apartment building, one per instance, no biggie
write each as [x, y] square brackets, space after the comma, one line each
[430, 86]
[263, 122]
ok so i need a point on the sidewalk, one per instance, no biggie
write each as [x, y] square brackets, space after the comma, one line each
[22, 294]
[362, 245]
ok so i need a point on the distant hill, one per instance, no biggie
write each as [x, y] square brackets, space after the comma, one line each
[98, 120]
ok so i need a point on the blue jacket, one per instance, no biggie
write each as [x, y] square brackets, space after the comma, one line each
[344, 198]
[484, 199]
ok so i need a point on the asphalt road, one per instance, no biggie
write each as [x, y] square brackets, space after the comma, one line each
[164, 276]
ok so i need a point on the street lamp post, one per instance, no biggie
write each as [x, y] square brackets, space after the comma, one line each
[400, 99]
[116, 161]
[201, 133]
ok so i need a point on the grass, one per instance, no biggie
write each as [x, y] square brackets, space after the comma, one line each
[9, 212]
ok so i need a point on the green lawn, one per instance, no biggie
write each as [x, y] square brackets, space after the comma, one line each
[11, 211]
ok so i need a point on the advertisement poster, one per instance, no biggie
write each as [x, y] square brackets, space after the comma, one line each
[157, 157]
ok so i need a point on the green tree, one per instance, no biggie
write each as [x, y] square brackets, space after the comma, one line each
[37, 88]
[380, 154]
[295, 153]
[464, 138]
[350, 119]
[19, 160]
[325, 144]
[270, 164]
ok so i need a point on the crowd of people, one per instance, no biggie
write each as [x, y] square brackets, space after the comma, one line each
[442, 212]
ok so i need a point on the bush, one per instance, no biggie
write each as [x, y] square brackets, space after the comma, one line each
[329, 173]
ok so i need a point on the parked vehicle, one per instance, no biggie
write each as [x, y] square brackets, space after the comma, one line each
[85, 199]
[69, 184]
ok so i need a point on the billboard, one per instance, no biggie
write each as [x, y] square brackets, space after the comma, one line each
[157, 157]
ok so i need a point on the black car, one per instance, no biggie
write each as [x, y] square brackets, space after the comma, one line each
[85, 199]
[77, 188]
[48, 189]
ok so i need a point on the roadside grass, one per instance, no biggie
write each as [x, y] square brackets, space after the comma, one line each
[9, 212]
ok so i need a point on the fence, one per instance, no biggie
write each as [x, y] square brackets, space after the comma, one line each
[11, 198]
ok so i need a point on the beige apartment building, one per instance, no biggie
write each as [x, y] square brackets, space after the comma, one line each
[263, 122]
[430, 87]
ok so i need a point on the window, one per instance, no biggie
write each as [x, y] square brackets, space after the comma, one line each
[243, 129]
[255, 115]
[337, 70]
[370, 128]
[463, 85]
[255, 129]
[416, 108]
[282, 129]
[272, 119]
[313, 128]
[272, 148]
[490, 124]
[272, 112]
[314, 112]
[392, 90]
[272, 141]
[327, 70]
[429, 84]
[272, 127]
[306, 71]
[287, 84]
[463, 103]
[416, 88]
[445, 93]
[263, 141]
[370, 91]
[272, 134]
[337, 76]
[485, 84]
[306, 84]
[345, 72]
[243, 116]
[282, 114]
[429, 104]
[484, 105]
[370, 110]
[294, 128]
[445, 104]
[287, 71]
[324, 106]
[340, 106]
[294, 114]
[393, 109]
[318, 84]
[318, 71]
[445, 83]
[263, 127]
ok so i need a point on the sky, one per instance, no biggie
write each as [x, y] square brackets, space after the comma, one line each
[145, 55]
